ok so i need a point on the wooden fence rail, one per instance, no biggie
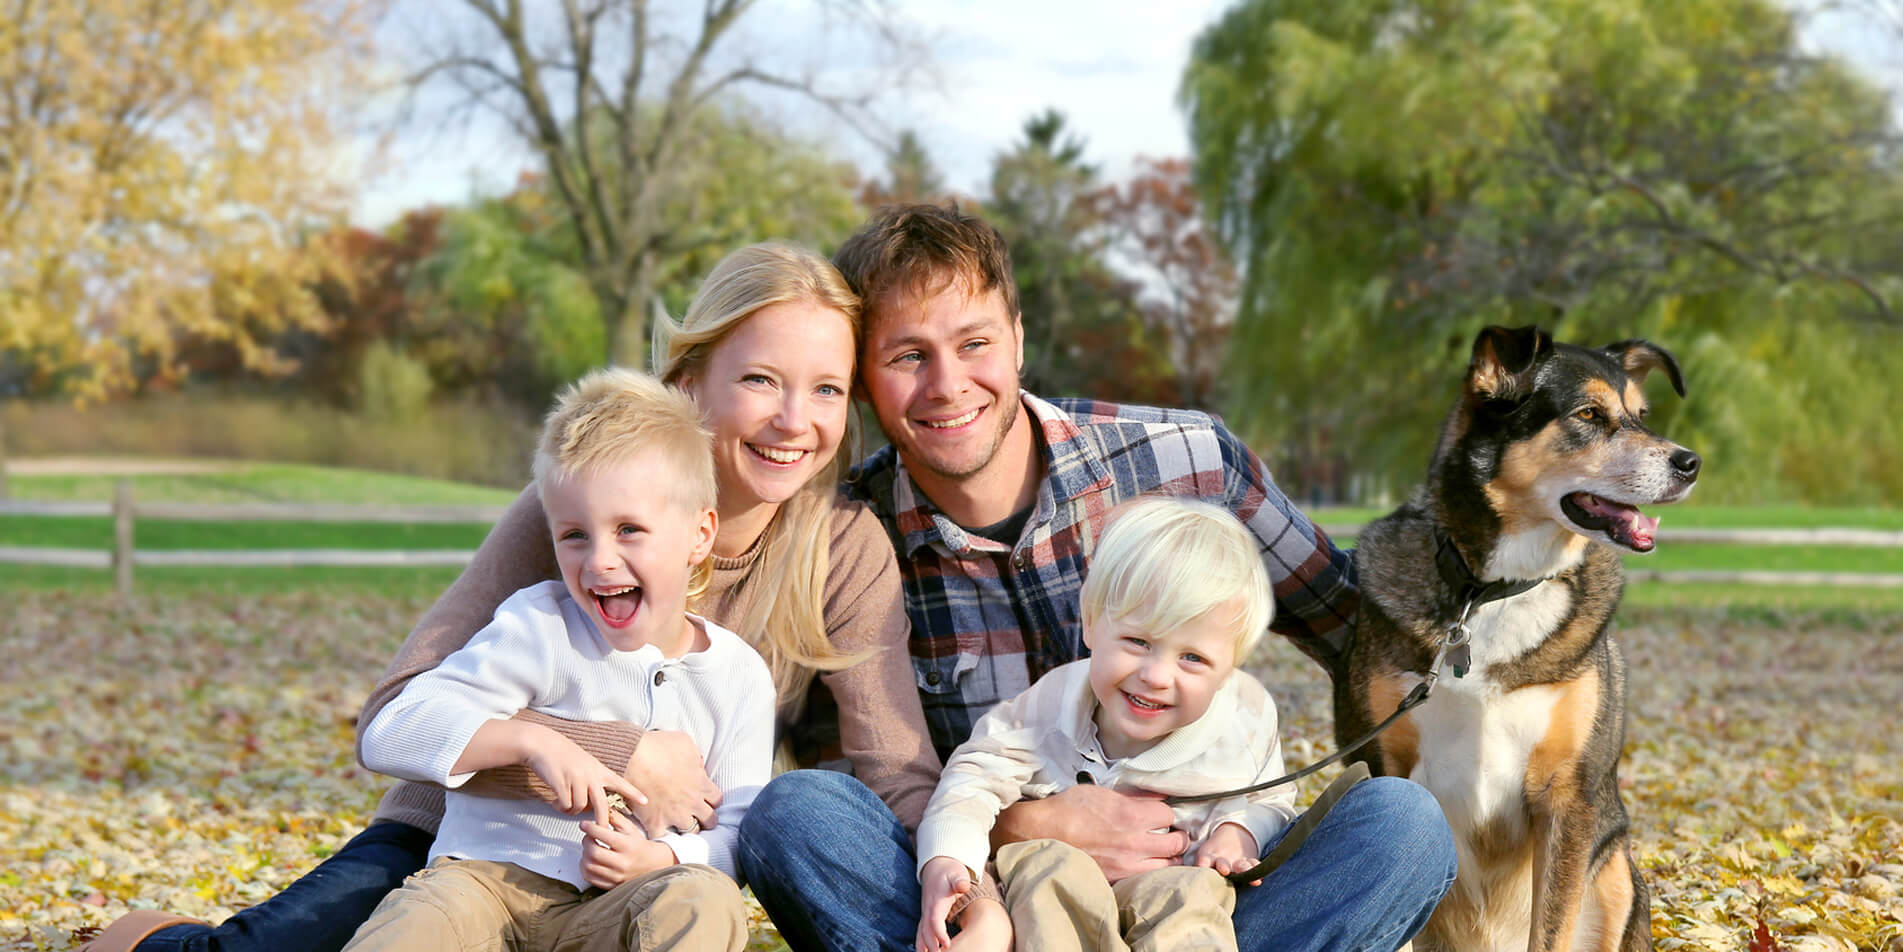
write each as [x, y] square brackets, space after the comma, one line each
[125, 512]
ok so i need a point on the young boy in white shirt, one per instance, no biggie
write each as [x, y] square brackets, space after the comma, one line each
[1176, 598]
[626, 476]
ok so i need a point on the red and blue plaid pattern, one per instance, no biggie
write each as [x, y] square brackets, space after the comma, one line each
[988, 618]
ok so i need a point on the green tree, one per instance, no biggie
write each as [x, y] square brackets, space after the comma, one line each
[1392, 175]
[910, 176]
[1083, 332]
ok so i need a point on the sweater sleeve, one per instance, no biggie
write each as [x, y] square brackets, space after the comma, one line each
[422, 732]
[881, 724]
[985, 774]
[515, 555]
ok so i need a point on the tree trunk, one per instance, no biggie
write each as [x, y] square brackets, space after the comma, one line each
[628, 332]
[5, 491]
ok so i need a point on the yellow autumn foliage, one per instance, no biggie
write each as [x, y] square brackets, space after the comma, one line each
[160, 164]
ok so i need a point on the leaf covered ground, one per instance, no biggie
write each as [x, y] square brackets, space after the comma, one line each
[195, 755]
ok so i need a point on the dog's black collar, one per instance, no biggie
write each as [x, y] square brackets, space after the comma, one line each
[1469, 590]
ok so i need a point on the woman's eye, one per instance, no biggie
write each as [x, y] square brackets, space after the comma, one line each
[831, 390]
[761, 379]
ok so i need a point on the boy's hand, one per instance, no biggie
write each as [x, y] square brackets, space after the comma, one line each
[1230, 849]
[1111, 825]
[578, 780]
[614, 853]
[941, 882]
[984, 926]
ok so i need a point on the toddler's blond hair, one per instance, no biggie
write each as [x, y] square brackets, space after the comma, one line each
[1164, 561]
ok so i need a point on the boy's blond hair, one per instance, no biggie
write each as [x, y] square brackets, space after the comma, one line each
[1164, 561]
[610, 415]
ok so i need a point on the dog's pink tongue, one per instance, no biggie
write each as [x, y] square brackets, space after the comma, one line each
[1625, 523]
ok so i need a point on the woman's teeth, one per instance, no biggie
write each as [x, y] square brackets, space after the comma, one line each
[948, 424]
[777, 455]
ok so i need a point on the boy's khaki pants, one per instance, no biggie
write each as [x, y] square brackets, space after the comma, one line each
[1059, 900]
[472, 904]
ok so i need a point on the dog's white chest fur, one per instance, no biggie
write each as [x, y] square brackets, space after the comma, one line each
[1475, 744]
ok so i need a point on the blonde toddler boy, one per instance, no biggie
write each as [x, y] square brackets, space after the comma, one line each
[1175, 599]
[626, 477]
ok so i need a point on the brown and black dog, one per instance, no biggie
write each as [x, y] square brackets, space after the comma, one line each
[1501, 575]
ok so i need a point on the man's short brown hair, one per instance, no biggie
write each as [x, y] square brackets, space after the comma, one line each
[923, 249]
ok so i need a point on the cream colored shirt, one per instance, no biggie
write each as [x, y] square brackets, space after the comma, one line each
[1041, 742]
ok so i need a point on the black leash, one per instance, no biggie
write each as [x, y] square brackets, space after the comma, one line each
[1471, 593]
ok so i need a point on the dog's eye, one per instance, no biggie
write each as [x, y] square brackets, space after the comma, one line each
[1587, 415]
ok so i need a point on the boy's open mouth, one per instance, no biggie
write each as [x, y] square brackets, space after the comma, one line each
[618, 606]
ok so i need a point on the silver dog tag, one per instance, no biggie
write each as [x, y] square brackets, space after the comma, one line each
[1461, 657]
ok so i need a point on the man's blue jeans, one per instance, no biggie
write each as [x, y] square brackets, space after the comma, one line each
[322, 910]
[836, 870]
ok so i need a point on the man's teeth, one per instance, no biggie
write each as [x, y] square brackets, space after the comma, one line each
[948, 424]
[778, 455]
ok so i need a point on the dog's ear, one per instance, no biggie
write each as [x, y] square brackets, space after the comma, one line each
[1641, 357]
[1504, 359]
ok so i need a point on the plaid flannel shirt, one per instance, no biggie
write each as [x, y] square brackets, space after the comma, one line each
[989, 617]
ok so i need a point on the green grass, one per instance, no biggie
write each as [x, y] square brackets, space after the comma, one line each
[264, 482]
[85, 532]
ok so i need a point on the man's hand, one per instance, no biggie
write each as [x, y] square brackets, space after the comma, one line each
[667, 766]
[1230, 849]
[1114, 828]
[614, 853]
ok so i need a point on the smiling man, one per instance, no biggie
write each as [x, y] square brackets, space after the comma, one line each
[993, 497]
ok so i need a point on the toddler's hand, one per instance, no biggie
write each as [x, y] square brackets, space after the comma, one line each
[619, 851]
[1230, 849]
[941, 882]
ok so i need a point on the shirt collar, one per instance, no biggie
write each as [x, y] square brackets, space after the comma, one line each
[1072, 468]
[1183, 745]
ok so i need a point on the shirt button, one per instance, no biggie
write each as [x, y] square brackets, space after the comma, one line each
[932, 677]
[659, 676]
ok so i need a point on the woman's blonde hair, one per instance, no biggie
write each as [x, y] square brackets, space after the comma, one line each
[1164, 561]
[786, 614]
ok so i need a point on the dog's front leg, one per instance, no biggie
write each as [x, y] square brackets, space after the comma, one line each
[1562, 851]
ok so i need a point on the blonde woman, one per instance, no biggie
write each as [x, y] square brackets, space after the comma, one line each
[766, 350]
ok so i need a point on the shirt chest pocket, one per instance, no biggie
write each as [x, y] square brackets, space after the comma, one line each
[941, 676]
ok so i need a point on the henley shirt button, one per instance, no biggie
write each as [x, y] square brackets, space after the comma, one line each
[659, 676]
[931, 677]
